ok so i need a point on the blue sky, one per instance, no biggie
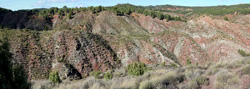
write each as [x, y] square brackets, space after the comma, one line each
[29, 4]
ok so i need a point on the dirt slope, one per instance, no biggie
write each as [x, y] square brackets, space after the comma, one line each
[100, 42]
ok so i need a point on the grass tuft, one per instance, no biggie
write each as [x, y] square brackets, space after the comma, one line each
[227, 81]
[95, 73]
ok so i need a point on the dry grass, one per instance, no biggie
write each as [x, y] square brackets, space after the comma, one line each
[165, 80]
[191, 85]
[42, 84]
[146, 85]
[201, 80]
[191, 73]
[245, 70]
[225, 80]
[89, 83]
[188, 77]
[229, 64]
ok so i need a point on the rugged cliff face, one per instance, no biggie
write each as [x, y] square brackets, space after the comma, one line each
[42, 51]
[105, 41]
[20, 20]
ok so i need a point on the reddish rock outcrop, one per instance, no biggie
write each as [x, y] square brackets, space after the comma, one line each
[100, 42]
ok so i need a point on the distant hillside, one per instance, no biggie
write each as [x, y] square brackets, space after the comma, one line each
[214, 10]
[40, 19]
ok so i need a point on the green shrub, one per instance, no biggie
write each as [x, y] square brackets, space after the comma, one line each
[54, 77]
[212, 71]
[20, 77]
[173, 65]
[108, 76]
[227, 81]
[163, 64]
[189, 62]
[243, 53]
[201, 80]
[225, 18]
[95, 73]
[191, 85]
[234, 65]
[137, 69]
[70, 15]
[245, 70]
[12, 76]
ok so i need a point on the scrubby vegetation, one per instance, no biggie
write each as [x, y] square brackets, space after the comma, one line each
[3, 10]
[173, 65]
[126, 9]
[12, 75]
[243, 53]
[226, 18]
[189, 62]
[213, 10]
[95, 73]
[246, 70]
[167, 79]
[42, 47]
[54, 77]
[108, 76]
[223, 10]
[201, 80]
[137, 69]
[119, 10]
[187, 77]
[227, 81]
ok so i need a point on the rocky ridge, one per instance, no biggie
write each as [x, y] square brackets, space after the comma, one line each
[105, 41]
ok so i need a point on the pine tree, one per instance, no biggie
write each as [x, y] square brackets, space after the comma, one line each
[128, 12]
[70, 15]
[12, 76]
[100, 8]
[160, 15]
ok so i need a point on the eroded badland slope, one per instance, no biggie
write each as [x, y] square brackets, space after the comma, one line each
[102, 42]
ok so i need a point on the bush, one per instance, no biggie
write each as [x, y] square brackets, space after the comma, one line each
[189, 62]
[70, 15]
[12, 76]
[167, 79]
[201, 80]
[163, 64]
[212, 71]
[95, 73]
[245, 70]
[191, 85]
[20, 77]
[54, 77]
[173, 65]
[137, 69]
[108, 76]
[5, 65]
[243, 53]
[225, 18]
[227, 81]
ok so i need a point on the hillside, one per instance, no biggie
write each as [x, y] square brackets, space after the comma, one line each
[214, 10]
[77, 41]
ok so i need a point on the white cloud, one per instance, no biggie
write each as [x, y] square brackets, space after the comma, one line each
[62, 0]
[39, 3]
[44, 2]
[79, 5]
